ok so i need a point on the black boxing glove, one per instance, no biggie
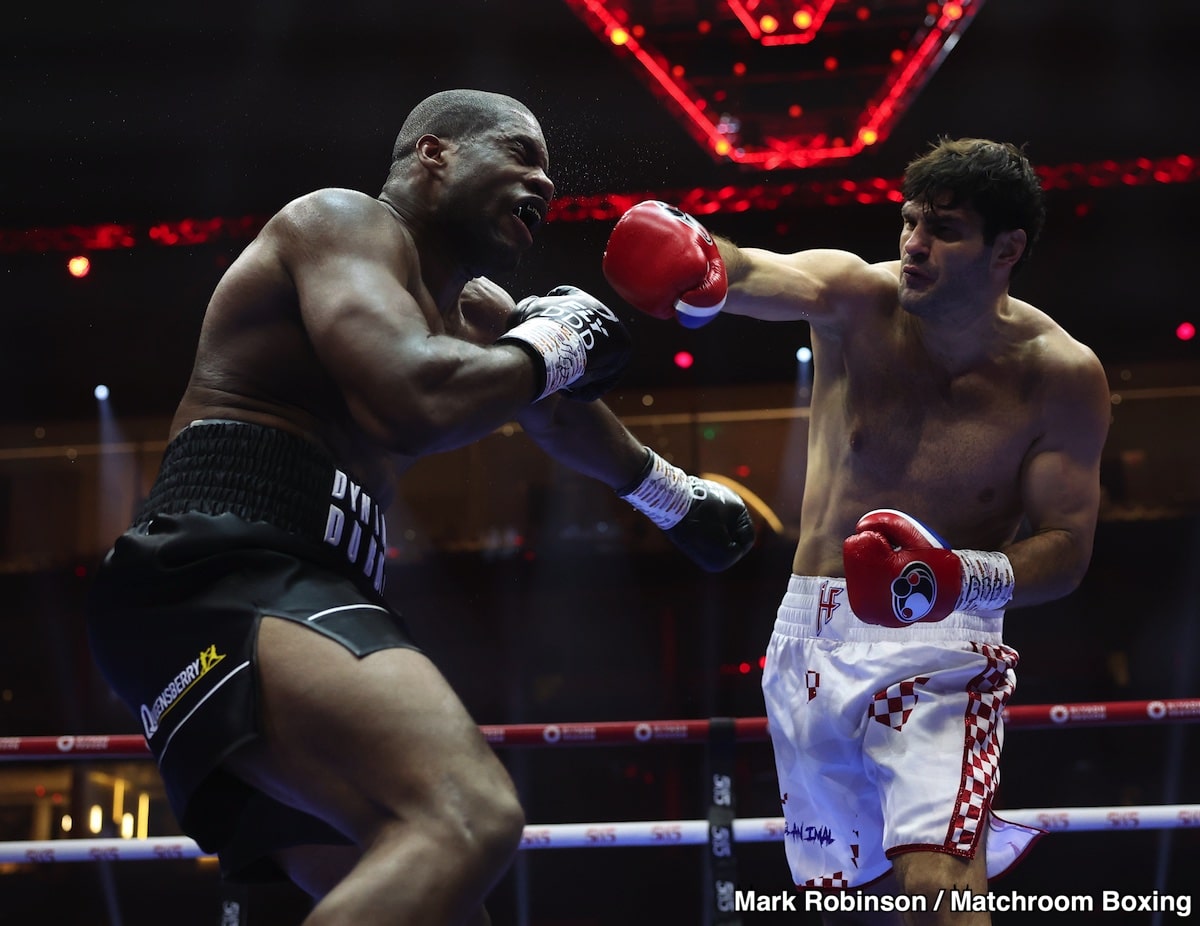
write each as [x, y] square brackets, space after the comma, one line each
[705, 520]
[578, 344]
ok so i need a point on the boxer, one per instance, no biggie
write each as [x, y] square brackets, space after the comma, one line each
[242, 618]
[942, 407]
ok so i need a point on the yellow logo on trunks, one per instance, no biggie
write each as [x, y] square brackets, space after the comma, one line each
[179, 686]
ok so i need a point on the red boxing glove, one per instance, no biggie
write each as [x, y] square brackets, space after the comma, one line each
[899, 572]
[664, 262]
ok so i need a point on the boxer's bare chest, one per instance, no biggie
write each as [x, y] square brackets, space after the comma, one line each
[950, 447]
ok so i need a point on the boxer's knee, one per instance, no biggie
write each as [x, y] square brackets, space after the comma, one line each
[493, 830]
[477, 829]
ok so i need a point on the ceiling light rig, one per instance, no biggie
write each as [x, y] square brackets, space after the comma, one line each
[804, 83]
[603, 207]
[784, 23]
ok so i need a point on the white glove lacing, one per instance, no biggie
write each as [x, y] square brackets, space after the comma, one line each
[987, 581]
[664, 495]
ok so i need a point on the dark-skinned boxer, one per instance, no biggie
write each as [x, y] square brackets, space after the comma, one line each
[297, 727]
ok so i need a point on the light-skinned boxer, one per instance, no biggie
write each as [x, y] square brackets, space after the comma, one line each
[942, 407]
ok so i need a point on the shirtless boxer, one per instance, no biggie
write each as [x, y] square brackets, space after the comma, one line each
[942, 407]
[297, 727]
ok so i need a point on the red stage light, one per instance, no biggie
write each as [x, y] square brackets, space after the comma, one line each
[775, 26]
[79, 267]
[605, 207]
[684, 360]
[1186, 331]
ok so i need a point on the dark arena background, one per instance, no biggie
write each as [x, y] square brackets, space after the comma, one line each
[144, 144]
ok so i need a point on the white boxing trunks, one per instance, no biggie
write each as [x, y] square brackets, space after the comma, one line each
[887, 740]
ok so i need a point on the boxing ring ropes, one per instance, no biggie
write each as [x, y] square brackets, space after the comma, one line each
[721, 830]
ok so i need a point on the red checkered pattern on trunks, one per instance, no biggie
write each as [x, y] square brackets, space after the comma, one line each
[892, 706]
[988, 693]
[835, 880]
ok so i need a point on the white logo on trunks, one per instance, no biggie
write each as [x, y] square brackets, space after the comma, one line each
[827, 603]
[348, 498]
[178, 687]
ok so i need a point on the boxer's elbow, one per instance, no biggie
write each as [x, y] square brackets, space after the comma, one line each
[428, 411]
[1049, 566]
[413, 427]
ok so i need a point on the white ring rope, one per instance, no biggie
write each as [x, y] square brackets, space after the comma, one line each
[640, 833]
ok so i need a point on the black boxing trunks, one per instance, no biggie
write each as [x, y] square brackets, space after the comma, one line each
[243, 521]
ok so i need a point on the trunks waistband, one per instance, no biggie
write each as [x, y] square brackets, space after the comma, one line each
[818, 608]
[262, 474]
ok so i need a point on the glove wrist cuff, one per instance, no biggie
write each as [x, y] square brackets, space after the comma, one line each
[987, 581]
[558, 345]
[664, 494]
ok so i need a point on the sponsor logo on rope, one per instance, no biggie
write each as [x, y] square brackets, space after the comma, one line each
[568, 733]
[645, 732]
[180, 685]
[535, 838]
[1064, 713]
[68, 743]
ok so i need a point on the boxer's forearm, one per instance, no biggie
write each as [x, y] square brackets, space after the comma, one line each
[586, 436]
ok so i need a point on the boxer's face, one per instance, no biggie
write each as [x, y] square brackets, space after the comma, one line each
[944, 258]
[497, 193]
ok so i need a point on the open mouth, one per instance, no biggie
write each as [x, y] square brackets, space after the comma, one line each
[529, 214]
